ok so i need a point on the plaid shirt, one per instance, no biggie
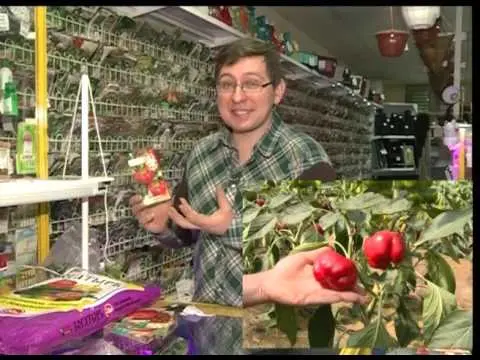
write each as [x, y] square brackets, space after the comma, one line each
[281, 154]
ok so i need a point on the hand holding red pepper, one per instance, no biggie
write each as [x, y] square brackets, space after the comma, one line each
[292, 282]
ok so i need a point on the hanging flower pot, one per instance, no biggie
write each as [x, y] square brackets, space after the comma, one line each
[434, 55]
[426, 36]
[420, 17]
[391, 43]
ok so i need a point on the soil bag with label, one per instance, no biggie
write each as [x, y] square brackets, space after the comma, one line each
[40, 318]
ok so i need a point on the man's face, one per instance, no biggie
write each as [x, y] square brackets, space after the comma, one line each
[248, 109]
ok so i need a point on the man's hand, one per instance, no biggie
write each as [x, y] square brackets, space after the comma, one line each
[152, 218]
[291, 282]
[217, 223]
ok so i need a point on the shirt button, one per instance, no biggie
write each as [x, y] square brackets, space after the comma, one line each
[233, 186]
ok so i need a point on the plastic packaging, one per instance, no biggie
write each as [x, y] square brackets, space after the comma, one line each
[65, 252]
[40, 318]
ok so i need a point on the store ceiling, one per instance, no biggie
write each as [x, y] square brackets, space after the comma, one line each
[349, 33]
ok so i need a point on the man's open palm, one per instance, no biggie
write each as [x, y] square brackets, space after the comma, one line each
[291, 282]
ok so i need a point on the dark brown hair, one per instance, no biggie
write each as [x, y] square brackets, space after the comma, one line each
[233, 52]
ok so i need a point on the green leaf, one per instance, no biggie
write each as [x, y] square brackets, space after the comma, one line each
[287, 321]
[295, 214]
[308, 247]
[357, 216]
[406, 328]
[250, 214]
[279, 200]
[392, 207]
[321, 328]
[437, 304]
[440, 272]
[374, 335]
[250, 195]
[264, 224]
[454, 332]
[310, 235]
[445, 224]
[362, 201]
[329, 219]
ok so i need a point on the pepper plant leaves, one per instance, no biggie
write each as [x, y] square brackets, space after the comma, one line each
[362, 201]
[321, 328]
[374, 335]
[329, 219]
[279, 200]
[392, 207]
[248, 215]
[406, 328]
[438, 304]
[454, 332]
[295, 214]
[287, 322]
[262, 225]
[440, 272]
[445, 224]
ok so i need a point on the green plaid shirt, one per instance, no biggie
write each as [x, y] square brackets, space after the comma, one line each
[282, 153]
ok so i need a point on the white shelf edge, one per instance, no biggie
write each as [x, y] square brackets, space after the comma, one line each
[379, 137]
[32, 191]
[230, 35]
[394, 170]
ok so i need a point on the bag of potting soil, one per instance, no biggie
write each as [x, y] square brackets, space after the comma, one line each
[40, 318]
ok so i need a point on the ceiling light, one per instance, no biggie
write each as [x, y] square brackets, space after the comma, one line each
[420, 17]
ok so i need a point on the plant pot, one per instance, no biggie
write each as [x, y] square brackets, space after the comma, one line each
[391, 43]
[423, 37]
[433, 55]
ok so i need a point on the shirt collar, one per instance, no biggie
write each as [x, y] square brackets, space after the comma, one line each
[266, 144]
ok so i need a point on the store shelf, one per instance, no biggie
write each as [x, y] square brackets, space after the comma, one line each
[387, 171]
[394, 137]
[213, 33]
[31, 191]
[200, 27]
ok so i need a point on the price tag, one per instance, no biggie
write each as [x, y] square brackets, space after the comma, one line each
[4, 22]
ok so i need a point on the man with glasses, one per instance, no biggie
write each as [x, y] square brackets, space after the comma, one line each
[253, 146]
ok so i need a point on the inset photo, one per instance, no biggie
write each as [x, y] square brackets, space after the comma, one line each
[358, 265]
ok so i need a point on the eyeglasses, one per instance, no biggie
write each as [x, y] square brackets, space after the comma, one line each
[227, 87]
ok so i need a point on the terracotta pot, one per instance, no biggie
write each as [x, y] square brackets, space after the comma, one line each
[423, 37]
[391, 43]
[434, 55]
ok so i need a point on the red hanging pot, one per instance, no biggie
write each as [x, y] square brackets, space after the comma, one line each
[391, 43]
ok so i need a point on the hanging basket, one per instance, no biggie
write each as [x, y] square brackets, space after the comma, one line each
[424, 37]
[434, 55]
[391, 43]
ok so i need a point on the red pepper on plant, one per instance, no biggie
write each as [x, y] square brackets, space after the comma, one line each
[383, 248]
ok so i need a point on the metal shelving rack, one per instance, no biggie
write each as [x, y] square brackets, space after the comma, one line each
[407, 171]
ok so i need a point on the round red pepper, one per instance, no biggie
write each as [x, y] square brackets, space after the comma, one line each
[383, 248]
[334, 271]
